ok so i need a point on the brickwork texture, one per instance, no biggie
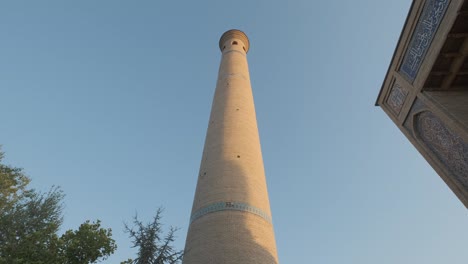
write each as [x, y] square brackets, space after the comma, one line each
[231, 218]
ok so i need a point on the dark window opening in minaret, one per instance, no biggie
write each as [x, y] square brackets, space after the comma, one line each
[234, 43]
[224, 47]
[238, 156]
[244, 48]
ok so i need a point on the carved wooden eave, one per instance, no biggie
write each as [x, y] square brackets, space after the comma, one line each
[425, 90]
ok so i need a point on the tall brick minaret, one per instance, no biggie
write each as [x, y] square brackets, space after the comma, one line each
[231, 218]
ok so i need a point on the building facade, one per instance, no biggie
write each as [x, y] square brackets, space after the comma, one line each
[231, 219]
[425, 90]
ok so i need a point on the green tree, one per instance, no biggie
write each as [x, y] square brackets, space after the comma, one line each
[30, 220]
[13, 184]
[88, 244]
[153, 246]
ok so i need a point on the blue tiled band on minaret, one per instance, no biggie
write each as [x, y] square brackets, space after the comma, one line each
[429, 21]
[225, 206]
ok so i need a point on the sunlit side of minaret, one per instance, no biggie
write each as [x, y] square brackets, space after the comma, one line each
[231, 219]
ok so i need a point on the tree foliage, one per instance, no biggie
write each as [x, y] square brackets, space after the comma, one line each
[13, 184]
[153, 247]
[30, 220]
[28, 229]
[88, 244]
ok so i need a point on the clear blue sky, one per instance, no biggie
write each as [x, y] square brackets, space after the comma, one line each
[110, 100]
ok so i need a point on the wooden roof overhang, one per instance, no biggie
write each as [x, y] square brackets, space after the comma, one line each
[432, 51]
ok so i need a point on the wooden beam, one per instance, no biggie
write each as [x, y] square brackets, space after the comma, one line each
[438, 73]
[451, 54]
[453, 88]
[458, 35]
[456, 66]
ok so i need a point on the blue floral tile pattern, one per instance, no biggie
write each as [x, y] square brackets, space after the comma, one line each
[448, 146]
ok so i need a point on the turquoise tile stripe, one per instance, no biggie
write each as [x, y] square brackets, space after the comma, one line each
[229, 206]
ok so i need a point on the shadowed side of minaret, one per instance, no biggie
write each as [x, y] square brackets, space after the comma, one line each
[231, 218]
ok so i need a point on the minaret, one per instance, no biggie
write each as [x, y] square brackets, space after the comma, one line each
[231, 218]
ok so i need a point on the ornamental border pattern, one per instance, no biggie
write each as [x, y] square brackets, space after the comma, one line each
[397, 98]
[428, 23]
[448, 147]
[229, 206]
